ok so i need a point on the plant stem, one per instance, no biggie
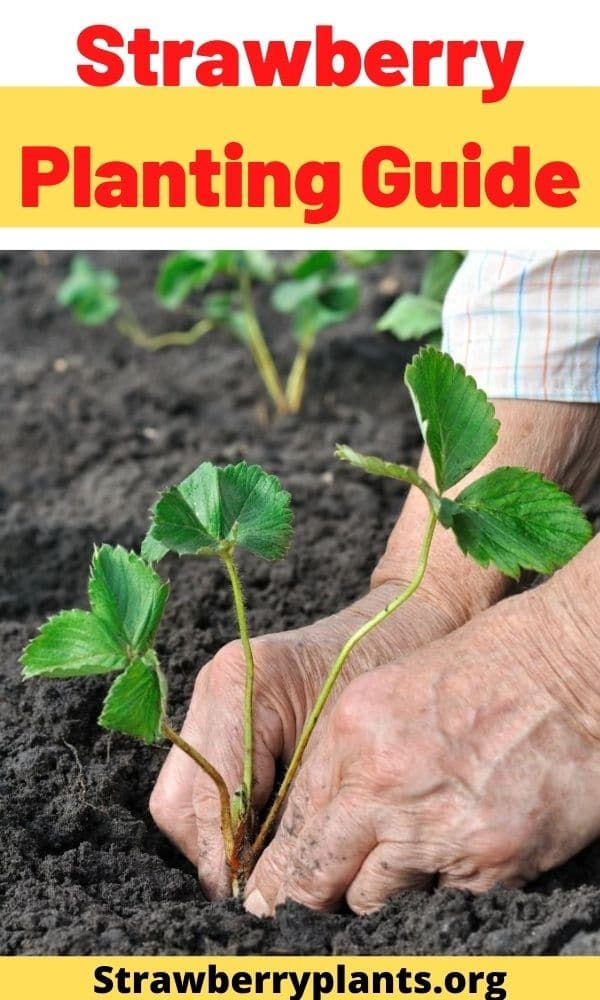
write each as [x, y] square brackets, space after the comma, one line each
[333, 675]
[207, 767]
[128, 327]
[240, 610]
[260, 350]
[294, 390]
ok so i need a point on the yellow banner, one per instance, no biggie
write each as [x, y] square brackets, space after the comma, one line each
[496, 978]
[299, 157]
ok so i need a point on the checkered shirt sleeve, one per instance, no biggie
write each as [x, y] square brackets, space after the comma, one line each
[526, 324]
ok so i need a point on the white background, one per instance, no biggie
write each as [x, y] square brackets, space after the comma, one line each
[38, 38]
[38, 47]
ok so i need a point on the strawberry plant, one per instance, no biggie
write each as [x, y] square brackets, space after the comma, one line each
[412, 316]
[90, 293]
[92, 296]
[317, 292]
[366, 258]
[511, 518]
[211, 514]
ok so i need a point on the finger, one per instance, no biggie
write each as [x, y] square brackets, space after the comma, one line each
[185, 803]
[172, 799]
[328, 854]
[482, 881]
[211, 862]
[213, 871]
[384, 872]
[268, 875]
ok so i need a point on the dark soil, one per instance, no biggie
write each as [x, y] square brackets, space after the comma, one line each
[91, 429]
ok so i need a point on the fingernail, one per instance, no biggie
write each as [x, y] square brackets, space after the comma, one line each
[257, 904]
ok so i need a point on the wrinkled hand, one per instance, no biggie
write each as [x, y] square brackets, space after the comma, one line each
[457, 762]
[290, 669]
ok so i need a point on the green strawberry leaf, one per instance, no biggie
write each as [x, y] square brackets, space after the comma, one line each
[340, 296]
[73, 644]
[218, 306]
[239, 504]
[178, 527]
[237, 324]
[411, 316]
[335, 302]
[366, 258]
[222, 308]
[256, 510]
[152, 551]
[135, 703]
[128, 596]
[515, 519]
[260, 264]
[289, 295]
[89, 292]
[439, 273]
[456, 418]
[321, 262]
[183, 272]
[379, 467]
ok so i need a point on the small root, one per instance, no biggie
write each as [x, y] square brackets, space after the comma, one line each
[80, 771]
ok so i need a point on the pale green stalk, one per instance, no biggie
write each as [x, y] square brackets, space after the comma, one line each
[128, 327]
[260, 351]
[296, 383]
[240, 610]
[333, 675]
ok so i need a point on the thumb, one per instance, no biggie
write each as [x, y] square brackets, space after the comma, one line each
[213, 871]
[270, 871]
[328, 853]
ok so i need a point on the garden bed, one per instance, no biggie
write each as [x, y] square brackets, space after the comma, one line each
[91, 429]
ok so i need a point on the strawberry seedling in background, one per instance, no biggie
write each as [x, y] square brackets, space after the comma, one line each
[366, 258]
[412, 317]
[317, 293]
[89, 292]
[511, 517]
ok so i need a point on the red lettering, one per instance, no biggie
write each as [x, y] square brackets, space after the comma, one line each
[457, 55]
[502, 68]
[279, 173]
[447, 196]
[204, 168]
[112, 63]
[423, 53]
[326, 52]
[324, 197]
[33, 177]
[82, 176]
[398, 184]
[471, 175]
[173, 55]
[277, 62]
[554, 183]
[142, 47]
[170, 171]
[233, 175]
[120, 188]
[383, 63]
[517, 171]
[222, 67]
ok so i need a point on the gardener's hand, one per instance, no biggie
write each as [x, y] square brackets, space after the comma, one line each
[477, 759]
[290, 668]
